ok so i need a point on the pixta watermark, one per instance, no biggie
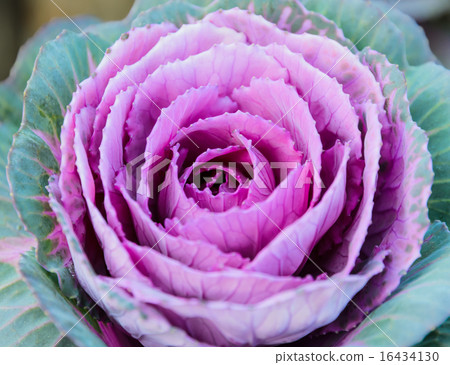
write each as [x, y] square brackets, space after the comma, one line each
[148, 175]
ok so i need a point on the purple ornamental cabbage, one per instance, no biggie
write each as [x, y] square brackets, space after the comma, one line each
[237, 174]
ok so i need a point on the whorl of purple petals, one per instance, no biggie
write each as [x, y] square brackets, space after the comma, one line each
[277, 255]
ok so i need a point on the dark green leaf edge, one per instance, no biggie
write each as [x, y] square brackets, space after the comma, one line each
[440, 337]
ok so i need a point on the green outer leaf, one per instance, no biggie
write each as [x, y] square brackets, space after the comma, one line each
[416, 42]
[28, 180]
[356, 18]
[11, 107]
[429, 94]
[10, 112]
[60, 66]
[22, 321]
[109, 32]
[10, 104]
[61, 310]
[440, 337]
[419, 304]
[10, 225]
[181, 11]
[175, 11]
[142, 5]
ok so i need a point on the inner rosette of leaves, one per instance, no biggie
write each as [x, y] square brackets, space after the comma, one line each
[225, 175]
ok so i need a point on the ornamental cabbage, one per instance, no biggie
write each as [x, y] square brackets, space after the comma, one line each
[228, 173]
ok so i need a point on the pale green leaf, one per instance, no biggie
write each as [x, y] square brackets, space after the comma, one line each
[22, 321]
[419, 304]
[416, 42]
[10, 224]
[182, 11]
[174, 11]
[60, 66]
[68, 319]
[429, 95]
[365, 25]
[10, 104]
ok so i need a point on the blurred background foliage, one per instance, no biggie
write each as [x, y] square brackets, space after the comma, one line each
[19, 19]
